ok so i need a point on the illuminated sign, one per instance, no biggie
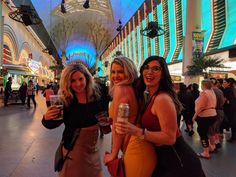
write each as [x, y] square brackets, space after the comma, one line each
[34, 65]
[197, 44]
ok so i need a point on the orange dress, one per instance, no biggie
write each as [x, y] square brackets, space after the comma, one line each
[140, 158]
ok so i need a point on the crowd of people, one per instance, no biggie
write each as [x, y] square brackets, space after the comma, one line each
[27, 92]
[151, 134]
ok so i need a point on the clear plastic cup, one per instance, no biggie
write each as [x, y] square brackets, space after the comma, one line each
[56, 100]
[103, 122]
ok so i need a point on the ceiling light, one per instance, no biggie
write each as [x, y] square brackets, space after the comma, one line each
[119, 27]
[86, 4]
[153, 30]
[63, 9]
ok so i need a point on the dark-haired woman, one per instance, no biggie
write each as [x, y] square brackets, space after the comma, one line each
[159, 122]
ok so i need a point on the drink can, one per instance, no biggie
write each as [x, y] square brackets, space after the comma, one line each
[123, 111]
[123, 114]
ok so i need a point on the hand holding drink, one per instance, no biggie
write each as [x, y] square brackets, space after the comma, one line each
[56, 101]
[103, 122]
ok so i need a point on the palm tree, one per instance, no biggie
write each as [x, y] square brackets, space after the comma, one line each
[201, 66]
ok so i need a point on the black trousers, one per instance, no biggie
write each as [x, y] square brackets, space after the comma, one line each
[6, 97]
[204, 123]
[178, 160]
[31, 97]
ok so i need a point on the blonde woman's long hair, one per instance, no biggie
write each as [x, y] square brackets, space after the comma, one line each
[130, 72]
[66, 92]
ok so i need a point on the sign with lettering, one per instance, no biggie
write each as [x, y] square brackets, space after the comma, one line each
[197, 44]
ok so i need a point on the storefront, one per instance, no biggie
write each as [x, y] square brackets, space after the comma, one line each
[19, 75]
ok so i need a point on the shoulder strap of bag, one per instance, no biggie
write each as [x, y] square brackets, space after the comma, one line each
[75, 137]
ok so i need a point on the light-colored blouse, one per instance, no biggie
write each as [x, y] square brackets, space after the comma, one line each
[205, 104]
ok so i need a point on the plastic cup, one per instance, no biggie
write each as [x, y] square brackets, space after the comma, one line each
[103, 122]
[56, 100]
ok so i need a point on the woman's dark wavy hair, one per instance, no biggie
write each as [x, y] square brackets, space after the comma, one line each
[166, 84]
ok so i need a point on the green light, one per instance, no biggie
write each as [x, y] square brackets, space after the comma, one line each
[134, 47]
[145, 50]
[184, 7]
[152, 41]
[160, 38]
[172, 33]
[206, 21]
[129, 47]
[229, 34]
[139, 46]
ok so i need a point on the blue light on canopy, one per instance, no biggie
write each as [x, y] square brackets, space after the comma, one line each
[81, 52]
[100, 66]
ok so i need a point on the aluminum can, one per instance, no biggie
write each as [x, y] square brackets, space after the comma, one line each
[123, 111]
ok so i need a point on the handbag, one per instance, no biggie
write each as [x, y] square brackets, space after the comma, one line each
[116, 167]
[60, 159]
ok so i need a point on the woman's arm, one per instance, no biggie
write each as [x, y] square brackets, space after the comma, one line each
[117, 139]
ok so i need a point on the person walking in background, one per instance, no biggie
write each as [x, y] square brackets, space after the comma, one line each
[31, 94]
[7, 91]
[230, 105]
[187, 100]
[139, 155]
[175, 158]
[23, 92]
[47, 93]
[205, 116]
[37, 88]
[82, 101]
[215, 128]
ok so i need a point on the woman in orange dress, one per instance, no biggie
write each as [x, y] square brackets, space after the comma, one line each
[139, 157]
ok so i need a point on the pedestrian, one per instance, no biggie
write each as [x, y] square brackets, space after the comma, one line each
[82, 102]
[23, 92]
[7, 91]
[31, 94]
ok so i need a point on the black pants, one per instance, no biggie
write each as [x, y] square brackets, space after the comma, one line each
[31, 97]
[204, 123]
[178, 160]
[6, 97]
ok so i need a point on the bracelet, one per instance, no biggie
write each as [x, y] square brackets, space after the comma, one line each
[143, 134]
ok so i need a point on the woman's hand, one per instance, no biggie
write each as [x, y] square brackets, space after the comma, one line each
[194, 118]
[109, 157]
[52, 113]
[128, 128]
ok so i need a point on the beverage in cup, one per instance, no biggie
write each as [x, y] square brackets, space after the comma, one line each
[56, 100]
[103, 122]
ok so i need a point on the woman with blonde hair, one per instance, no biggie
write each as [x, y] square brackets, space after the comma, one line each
[82, 100]
[136, 151]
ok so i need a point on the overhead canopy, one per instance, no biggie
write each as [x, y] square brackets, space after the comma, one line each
[81, 30]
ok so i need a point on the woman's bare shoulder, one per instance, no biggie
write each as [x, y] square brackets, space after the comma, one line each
[162, 98]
